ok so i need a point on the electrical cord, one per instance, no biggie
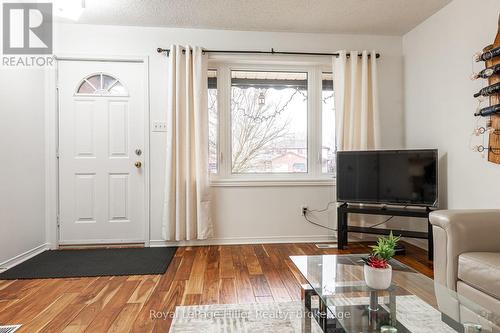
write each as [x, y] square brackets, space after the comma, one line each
[377, 224]
[316, 223]
[327, 207]
[324, 209]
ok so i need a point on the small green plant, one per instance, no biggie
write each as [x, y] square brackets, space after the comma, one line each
[382, 252]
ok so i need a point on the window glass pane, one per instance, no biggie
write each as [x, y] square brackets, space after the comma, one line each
[117, 89]
[213, 117]
[107, 81]
[328, 125]
[95, 80]
[269, 122]
[86, 88]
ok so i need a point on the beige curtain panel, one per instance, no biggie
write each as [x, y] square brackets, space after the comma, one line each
[187, 191]
[356, 101]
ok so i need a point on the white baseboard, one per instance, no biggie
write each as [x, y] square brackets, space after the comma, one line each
[9, 263]
[246, 240]
[101, 241]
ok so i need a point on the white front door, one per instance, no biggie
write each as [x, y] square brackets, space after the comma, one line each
[101, 152]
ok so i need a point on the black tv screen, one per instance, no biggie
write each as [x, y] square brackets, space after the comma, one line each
[401, 177]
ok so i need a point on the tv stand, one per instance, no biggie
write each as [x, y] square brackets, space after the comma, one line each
[343, 228]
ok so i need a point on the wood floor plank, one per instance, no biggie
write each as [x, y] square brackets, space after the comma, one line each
[194, 285]
[243, 284]
[193, 299]
[180, 251]
[80, 284]
[44, 317]
[4, 304]
[227, 292]
[251, 260]
[27, 311]
[259, 251]
[44, 299]
[94, 306]
[94, 289]
[110, 311]
[145, 320]
[18, 289]
[125, 319]
[62, 320]
[167, 278]
[226, 263]
[210, 293]
[296, 273]
[260, 286]
[186, 264]
[173, 298]
[264, 299]
[278, 289]
[5, 283]
[277, 256]
[291, 284]
[144, 290]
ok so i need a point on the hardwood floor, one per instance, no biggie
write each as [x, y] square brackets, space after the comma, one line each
[197, 275]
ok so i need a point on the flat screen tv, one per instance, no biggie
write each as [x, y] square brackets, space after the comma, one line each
[398, 177]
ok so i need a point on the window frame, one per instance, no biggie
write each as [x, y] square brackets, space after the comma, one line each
[314, 69]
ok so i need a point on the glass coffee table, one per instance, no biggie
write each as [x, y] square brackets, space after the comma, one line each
[337, 297]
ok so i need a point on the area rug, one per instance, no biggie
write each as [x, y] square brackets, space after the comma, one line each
[413, 313]
[93, 262]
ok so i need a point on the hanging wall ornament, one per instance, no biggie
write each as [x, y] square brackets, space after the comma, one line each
[490, 55]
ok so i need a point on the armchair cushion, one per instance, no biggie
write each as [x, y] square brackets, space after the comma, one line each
[462, 231]
[481, 270]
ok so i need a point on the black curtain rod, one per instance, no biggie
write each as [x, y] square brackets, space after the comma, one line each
[336, 54]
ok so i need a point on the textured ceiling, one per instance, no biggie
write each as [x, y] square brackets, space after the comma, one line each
[386, 17]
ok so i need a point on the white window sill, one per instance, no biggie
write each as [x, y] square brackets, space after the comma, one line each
[271, 182]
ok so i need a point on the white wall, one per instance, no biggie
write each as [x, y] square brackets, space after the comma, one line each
[248, 212]
[439, 105]
[22, 187]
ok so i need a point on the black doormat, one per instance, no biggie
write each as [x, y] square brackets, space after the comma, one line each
[93, 262]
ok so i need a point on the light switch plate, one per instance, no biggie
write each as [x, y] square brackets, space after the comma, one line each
[159, 126]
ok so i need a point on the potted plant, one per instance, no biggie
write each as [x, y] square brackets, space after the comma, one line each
[378, 272]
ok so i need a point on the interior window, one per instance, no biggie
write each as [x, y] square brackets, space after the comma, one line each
[271, 124]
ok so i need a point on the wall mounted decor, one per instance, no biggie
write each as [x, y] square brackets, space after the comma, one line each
[491, 58]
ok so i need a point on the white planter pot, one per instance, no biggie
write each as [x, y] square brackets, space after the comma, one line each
[378, 278]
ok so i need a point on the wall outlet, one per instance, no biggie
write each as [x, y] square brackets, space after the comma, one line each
[159, 126]
[303, 210]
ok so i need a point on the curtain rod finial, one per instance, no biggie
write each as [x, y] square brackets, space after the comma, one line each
[160, 50]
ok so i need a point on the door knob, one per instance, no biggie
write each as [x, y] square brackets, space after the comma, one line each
[138, 164]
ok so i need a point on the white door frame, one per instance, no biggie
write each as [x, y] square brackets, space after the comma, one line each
[52, 143]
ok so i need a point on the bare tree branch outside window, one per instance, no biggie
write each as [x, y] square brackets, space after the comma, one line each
[263, 135]
[269, 125]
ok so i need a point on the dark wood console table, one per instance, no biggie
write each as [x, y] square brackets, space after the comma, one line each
[343, 228]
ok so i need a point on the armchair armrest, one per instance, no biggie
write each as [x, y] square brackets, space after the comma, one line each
[459, 231]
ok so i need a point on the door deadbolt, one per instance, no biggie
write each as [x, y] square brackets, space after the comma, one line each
[138, 152]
